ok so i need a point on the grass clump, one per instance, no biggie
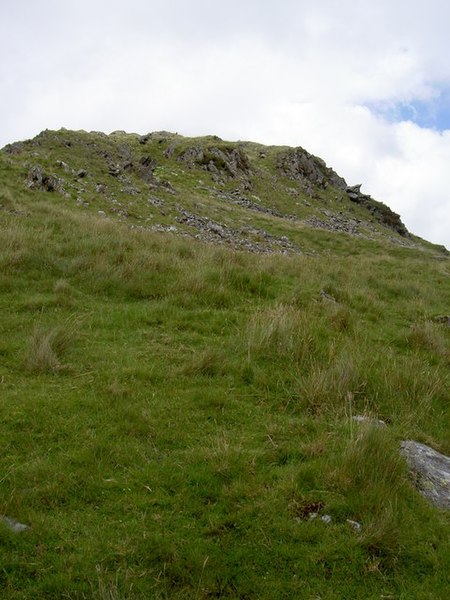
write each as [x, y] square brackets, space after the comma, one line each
[46, 348]
[371, 471]
[280, 333]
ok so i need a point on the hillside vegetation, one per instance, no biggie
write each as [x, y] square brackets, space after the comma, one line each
[187, 329]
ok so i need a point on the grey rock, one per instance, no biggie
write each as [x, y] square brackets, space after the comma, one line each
[170, 150]
[37, 179]
[154, 201]
[442, 319]
[431, 471]
[114, 169]
[14, 148]
[380, 211]
[146, 167]
[211, 231]
[309, 170]
[326, 519]
[336, 222]
[325, 296]
[355, 189]
[354, 525]
[13, 524]
[130, 190]
[64, 166]
[224, 164]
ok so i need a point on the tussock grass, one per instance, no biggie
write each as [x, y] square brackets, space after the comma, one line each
[208, 362]
[280, 333]
[372, 477]
[325, 389]
[45, 350]
[429, 337]
[47, 346]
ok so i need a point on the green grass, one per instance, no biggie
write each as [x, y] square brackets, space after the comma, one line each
[173, 411]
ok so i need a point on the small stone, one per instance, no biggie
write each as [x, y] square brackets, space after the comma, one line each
[442, 319]
[326, 519]
[62, 165]
[327, 296]
[354, 525]
[14, 525]
[101, 213]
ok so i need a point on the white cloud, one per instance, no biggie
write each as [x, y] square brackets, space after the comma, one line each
[291, 72]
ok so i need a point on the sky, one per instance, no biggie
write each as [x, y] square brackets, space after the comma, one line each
[365, 85]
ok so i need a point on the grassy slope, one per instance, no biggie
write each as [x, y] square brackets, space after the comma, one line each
[171, 411]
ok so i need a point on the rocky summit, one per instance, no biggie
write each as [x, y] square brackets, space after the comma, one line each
[245, 195]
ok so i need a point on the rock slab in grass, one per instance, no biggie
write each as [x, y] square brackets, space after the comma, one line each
[431, 470]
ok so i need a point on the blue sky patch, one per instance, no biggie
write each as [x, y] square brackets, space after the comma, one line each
[431, 114]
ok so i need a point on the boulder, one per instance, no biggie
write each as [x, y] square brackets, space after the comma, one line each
[431, 471]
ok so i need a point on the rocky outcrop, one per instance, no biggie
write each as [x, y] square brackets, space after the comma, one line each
[380, 211]
[37, 179]
[224, 163]
[14, 148]
[310, 171]
[145, 167]
[431, 472]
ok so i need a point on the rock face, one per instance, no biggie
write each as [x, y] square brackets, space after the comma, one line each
[431, 471]
[300, 165]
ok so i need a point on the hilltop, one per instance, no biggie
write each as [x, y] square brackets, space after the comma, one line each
[211, 354]
[246, 195]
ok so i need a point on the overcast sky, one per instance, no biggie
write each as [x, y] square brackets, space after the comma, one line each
[363, 84]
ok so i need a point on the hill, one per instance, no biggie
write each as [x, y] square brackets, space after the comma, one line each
[189, 327]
